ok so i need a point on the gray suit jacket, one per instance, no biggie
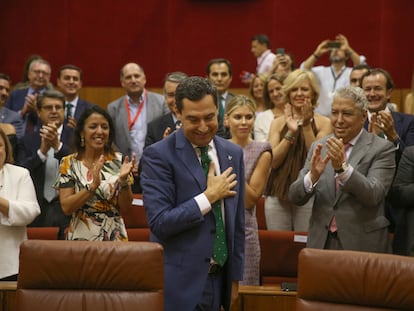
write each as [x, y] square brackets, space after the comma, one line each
[156, 107]
[359, 205]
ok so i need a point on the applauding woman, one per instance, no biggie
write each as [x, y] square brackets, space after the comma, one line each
[94, 182]
[18, 208]
[291, 137]
[239, 118]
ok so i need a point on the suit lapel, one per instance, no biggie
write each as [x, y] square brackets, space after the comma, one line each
[189, 159]
[226, 160]
[123, 119]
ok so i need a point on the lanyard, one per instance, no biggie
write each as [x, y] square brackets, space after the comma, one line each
[141, 105]
[336, 77]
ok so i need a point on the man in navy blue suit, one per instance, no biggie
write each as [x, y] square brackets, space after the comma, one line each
[179, 200]
[24, 100]
[69, 82]
[41, 151]
[396, 127]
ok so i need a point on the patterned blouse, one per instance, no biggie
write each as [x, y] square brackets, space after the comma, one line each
[99, 219]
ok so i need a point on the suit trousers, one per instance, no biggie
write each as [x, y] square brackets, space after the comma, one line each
[333, 242]
[284, 215]
[213, 292]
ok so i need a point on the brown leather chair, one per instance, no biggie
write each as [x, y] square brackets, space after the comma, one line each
[279, 256]
[350, 280]
[85, 275]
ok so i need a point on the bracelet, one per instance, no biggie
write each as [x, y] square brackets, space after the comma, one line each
[123, 184]
[316, 56]
[290, 138]
[89, 189]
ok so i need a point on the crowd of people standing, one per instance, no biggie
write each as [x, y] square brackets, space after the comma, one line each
[322, 144]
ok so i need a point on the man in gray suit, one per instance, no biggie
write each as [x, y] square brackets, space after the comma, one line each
[132, 113]
[349, 173]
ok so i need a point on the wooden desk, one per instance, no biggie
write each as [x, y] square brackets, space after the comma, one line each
[265, 298]
[8, 296]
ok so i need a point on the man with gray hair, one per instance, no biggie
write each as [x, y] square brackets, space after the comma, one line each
[349, 173]
[24, 100]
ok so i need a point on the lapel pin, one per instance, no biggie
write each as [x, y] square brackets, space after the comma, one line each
[229, 157]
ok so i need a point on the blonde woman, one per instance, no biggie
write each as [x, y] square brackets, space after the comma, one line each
[239, 118]
[291, 137]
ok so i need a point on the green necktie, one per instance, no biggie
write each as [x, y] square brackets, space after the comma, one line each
[220, 245]
[69, 107]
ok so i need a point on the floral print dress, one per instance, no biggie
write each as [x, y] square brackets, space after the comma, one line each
[99, 219]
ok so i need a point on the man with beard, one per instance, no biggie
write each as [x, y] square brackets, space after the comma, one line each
[336, 76]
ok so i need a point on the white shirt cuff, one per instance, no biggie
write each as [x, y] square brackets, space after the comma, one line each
[203, 203]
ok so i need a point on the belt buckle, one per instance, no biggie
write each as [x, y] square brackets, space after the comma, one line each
[214, 268]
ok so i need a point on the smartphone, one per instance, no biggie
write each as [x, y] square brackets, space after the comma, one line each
[334, 44]
[280, 51]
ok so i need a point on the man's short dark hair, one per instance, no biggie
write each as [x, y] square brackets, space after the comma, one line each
[262, 39]
[50, 94]
[361, 67]
[372, 72]
[219, 61]
[69, 66]
[3, 76]
[194, 89]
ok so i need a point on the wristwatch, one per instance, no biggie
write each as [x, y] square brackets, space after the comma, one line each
[343, 168]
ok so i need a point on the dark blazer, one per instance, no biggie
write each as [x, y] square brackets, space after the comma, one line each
[27, 157]
[81, 105]
[222, 130]
[404, 126]
[359, 204]
[16, 101]
[171, 177]
[402, 200]
[157, 127]
[13, 118]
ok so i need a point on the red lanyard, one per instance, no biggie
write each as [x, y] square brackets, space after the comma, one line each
[141, 105]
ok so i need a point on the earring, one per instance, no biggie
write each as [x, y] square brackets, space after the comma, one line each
[82, 143]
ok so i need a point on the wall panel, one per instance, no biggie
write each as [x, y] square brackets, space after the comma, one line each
[168, 35]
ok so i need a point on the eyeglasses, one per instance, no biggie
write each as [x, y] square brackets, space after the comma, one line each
[51, 107]
[39, 72]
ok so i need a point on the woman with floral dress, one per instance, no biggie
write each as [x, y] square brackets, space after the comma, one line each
[94, 183]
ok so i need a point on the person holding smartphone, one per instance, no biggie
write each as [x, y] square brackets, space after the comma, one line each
[335, 76]
[283, 64]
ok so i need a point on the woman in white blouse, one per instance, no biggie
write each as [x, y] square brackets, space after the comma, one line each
[18, 208]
